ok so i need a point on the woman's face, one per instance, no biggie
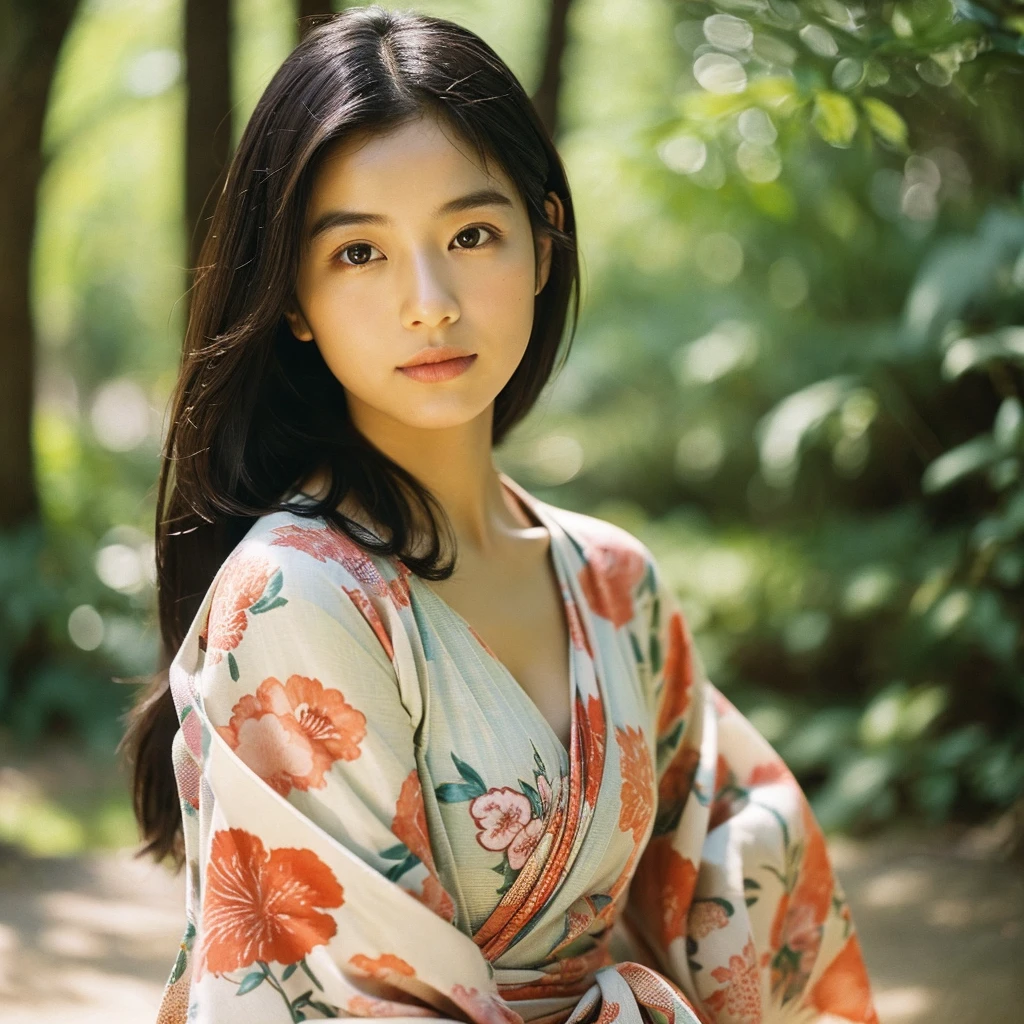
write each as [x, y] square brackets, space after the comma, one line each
[410, 244]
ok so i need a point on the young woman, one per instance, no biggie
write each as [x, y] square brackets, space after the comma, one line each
[440, 749]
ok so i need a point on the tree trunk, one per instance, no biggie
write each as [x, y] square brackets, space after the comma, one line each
[31, 34]
[208, 117]
[545, 99]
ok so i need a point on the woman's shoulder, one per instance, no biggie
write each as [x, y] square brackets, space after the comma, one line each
[596, 538]
[304, 571]
[311, 548]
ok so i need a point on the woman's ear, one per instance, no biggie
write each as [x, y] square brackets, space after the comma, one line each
[556, 217]
[297, 321]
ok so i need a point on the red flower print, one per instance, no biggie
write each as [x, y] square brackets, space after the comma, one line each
[706, 917]
[741, 997]
[677, 674]
[728, 800]
[770, 772]
[595, 746]
[369, 612]
[609, 578]
[843, 989]
[637, 797]
[291, 733]
[382, 966]
[436, 898]
[677, 779]
[245, 578]
[399, 590]
[815, 882]
[577, 634]
[192, 732]
[369, 1006]
[410, 822]
[802, 933]
[410, 827]
[484, 1008]
[663, 888]
[505, 821]
[260, 905]
[329, 545]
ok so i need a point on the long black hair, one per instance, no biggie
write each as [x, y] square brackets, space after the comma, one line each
[253, 411]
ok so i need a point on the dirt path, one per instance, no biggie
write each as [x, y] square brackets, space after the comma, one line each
[90, 940]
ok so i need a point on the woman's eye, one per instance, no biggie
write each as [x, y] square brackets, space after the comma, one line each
[358, 254]
[469, 238]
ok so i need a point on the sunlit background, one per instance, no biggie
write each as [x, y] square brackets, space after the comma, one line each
[797, 378]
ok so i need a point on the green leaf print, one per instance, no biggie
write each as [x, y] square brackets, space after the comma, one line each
[455, 792]
[510, 876]
[269, 599]
[290, 970]
[250, 981]
[397, 852]
[638, 654]
[469, 774]
[181, 961]
[538, 761]
[395, 872]
[233, 666]
[750, 884]
[534, 797]
[723, 903]
[671, 741]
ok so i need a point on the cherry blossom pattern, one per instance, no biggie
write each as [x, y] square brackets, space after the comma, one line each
[265, 906]
[250, 585]
[510, 821]
[291, 733]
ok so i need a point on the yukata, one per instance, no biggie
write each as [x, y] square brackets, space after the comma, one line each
[379, 821]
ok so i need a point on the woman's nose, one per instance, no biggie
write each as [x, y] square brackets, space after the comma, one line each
[429, 299]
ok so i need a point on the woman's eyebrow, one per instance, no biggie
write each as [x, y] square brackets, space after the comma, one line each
[344, 218]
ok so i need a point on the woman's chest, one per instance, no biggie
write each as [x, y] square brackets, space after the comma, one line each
[502, 794]
[522, 623]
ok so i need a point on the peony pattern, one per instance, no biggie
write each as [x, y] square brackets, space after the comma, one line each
[291, 733]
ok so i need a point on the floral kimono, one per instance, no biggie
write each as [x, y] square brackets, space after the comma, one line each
[379, 822]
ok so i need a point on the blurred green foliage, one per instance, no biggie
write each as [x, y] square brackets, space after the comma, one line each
[798, 375]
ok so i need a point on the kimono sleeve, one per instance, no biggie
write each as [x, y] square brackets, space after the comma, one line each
[298, 680]
[309, 802]
[735, 895]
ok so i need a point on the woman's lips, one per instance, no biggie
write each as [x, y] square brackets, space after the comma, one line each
[444, 370]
